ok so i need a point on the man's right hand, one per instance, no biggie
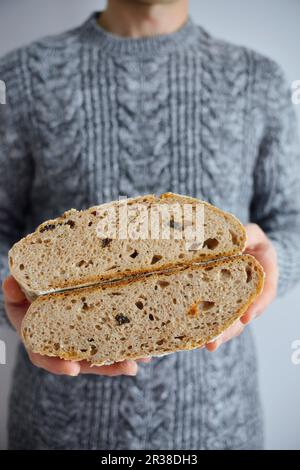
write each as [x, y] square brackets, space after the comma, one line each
[16, 306]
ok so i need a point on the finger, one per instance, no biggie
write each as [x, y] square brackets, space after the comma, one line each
[127, 367]
[258, 307]
[54, 364]
[12, 291]
[16, 313]
[249, 315]
[234, 330]
[255, 236]
[269, 261]
[213, 345]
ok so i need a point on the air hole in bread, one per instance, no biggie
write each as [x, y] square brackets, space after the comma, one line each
[134, 254]
[181, 255]
[47, 228]
[21, 267]
[139, 305]
[156, 258]
[94, 350]
[163, 284]
[205, 305]
[80, 263]
[106, 242]
[98, 327]
[209, 268]
[234, 238]
[211, 243]
[56, 346]
[180, 337]
[160, 342]
[249, 274]
[83, 350]
[225, 274]
[151, 317]
[90, 224]
[71, 223]
[11, 261]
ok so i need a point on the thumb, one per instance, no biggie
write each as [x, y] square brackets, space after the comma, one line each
[12, 291]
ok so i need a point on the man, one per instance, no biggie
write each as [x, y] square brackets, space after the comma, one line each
[139, 99]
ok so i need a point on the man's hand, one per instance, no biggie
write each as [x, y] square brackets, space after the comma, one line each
[16, 306]
[259, 246]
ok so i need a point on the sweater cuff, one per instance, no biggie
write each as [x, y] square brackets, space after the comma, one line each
[285, 266]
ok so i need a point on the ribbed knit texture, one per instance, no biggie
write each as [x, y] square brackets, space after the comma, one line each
[91, 117]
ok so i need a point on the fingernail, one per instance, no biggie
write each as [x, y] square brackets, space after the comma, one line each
[74, 370]
[132, 366]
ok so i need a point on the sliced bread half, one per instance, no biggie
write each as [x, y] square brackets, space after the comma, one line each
[179, 309]
[78, 249]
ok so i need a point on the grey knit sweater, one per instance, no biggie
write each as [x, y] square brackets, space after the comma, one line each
[90, 117]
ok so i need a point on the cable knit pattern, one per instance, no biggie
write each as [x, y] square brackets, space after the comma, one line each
[91, 117]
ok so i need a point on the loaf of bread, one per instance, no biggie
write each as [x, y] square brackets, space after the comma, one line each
[182, 308]
[78, 249]
[133, 278]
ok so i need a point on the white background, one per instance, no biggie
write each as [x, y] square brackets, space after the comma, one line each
[272, 27]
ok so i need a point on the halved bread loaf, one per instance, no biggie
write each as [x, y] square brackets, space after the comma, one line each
[154, 314]
[70, 252]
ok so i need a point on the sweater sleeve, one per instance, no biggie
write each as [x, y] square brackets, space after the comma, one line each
[15, 162]
[276, 202]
